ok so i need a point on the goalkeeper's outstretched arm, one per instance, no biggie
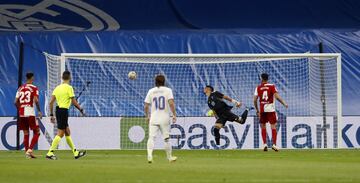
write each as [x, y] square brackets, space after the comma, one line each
[237, 103]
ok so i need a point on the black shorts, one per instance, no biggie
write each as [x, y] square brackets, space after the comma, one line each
[62, 116]
[226, 116]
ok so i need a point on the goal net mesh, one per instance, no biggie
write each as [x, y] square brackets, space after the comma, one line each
[307, 84]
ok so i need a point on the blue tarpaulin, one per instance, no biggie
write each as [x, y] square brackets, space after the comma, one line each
[168, 26]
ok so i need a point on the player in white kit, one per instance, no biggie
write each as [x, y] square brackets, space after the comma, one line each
[161, 100]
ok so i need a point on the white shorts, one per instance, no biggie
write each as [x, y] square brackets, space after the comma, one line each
[164, 129]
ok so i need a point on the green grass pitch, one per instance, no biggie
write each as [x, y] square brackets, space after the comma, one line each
[192, 166]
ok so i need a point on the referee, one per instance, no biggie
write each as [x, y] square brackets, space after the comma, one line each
[64, 96]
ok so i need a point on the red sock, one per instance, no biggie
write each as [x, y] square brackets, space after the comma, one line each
[274, 133]
[26, 142]
[263, 134]
[34, 140]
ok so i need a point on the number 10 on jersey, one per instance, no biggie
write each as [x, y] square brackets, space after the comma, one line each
[159, 102]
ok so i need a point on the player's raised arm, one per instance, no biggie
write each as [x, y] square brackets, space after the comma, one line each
[277, 96]
[237, 103]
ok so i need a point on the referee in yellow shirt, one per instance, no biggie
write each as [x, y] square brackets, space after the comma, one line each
[64, 96]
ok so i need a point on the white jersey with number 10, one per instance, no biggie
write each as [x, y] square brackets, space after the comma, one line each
[158, 98]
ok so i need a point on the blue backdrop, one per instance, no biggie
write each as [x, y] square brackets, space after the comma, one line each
[169, 26]
[212, 41]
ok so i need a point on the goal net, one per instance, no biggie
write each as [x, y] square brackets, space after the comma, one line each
[309, 83]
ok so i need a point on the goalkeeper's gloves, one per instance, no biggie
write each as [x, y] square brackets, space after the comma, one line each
[237, 103]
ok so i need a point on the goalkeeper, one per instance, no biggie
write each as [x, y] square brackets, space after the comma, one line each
[222, 110]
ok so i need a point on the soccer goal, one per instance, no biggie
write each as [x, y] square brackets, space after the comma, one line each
[310, 83]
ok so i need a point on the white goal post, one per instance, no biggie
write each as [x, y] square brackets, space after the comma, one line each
[310, 82]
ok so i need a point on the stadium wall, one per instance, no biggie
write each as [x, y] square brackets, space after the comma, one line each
[189, 133]
[89, 134]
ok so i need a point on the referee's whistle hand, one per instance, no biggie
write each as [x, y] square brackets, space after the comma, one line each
[82, 112]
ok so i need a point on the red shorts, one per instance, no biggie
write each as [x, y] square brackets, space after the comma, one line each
[28, 122]
[270, 117]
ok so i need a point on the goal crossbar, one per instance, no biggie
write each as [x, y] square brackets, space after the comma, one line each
[145, 58]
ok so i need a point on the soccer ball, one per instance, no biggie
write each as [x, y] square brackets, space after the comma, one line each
[210, 113]
[132, 75]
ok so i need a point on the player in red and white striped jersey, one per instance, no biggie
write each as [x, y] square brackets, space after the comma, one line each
[26, 96]
[266, 93]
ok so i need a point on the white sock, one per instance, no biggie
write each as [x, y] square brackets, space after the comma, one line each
[168, 149]
[150, 147]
